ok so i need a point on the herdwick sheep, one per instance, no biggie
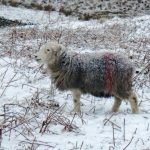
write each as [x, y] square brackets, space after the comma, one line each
[101, 74]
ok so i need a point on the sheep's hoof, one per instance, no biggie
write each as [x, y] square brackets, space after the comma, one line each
[73, 112]
[114, 110]
[135, 112]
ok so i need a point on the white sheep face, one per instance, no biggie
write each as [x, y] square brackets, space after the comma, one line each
[48, 53]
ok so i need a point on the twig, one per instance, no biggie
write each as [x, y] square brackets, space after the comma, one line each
[8, 84]
[148, 127]
[129, 143]
[113, 134]
[81, 145]
[106, 120]
[38, 143]
[124, 133]
[0, 137]
[111, 147]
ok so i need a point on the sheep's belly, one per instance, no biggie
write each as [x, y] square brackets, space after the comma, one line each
[101, 94]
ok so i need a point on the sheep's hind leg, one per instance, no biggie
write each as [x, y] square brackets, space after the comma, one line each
[116, 105]
[76, 100]
[134, 103]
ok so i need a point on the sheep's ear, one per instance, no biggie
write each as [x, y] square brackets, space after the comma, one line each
[58, 49]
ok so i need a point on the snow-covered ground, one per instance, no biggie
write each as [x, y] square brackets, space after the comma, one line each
[29, 118]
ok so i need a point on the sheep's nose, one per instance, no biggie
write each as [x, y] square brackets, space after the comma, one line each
[35, 56]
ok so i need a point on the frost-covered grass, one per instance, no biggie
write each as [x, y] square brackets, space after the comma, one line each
[32, 119]
[86, 9]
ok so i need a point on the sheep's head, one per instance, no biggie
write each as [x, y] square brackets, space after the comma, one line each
[48, 53]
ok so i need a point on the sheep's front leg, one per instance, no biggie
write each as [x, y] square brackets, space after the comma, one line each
[76, 100]
[52, 89]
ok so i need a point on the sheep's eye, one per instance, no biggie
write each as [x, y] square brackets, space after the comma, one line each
[48, 50]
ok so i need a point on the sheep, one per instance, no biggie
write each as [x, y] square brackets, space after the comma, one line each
[102, 74]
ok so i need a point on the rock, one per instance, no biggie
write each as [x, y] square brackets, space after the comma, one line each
[6, 22]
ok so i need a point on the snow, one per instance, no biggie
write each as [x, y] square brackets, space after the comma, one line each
[24, 85]
[42, 17]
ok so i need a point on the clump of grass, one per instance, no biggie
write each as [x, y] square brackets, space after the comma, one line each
[66, 11]
[85, 16]
[4, 2]
[49, 7]
[36, 6]
[14, 3]
[94, 15]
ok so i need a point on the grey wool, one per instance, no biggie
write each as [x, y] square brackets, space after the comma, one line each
[101, 74]
[87, 72]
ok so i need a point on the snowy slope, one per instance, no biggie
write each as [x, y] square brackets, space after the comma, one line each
[24, 85]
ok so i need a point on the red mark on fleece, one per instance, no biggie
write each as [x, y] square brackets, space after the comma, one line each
[108, 71]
